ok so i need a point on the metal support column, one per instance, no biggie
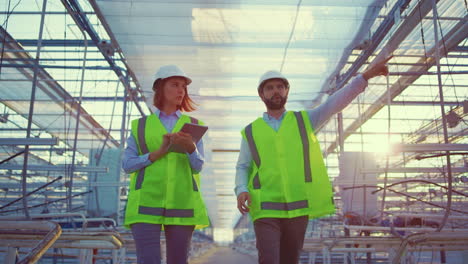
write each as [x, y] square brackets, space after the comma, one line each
[442, 110]
[31, 111]
[77, 125]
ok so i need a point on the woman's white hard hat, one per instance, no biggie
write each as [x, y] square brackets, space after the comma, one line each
[167, 71]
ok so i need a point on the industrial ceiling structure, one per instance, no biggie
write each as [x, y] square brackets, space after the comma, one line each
[74, 73]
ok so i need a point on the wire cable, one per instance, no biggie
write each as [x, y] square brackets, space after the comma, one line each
[290, 35]
[421, 181]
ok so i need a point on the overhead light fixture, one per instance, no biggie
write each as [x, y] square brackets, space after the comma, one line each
[364, 45]
[123, 191]
[4, 118]
[107, 48]
[453, 119]
[45, 210]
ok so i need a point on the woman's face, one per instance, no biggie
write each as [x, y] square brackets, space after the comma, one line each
[174, 90]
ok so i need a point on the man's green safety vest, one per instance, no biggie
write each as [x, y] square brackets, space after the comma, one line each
[167, 191]
[288, 177]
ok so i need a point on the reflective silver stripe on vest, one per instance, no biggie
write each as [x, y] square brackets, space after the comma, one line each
[141, 135]
[255, 155]
[193, 120]
[305, 146]
[285, 206]
[159, 211]
[143, 149]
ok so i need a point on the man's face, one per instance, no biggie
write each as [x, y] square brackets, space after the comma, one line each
[274, 94]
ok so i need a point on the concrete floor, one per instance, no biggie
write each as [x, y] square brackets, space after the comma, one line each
[225, 255]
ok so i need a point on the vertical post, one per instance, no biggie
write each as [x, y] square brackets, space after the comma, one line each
[443, 257]
[444, 120]
[348, 257]
[31, 111]
[368, 254]
[77, 125]
[387, 157]
[122, 131]
[11, 256]
[340, 132]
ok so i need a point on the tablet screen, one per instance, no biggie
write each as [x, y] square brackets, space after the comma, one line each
[196, 131]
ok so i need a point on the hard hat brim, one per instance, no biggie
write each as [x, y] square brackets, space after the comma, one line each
[189, 81]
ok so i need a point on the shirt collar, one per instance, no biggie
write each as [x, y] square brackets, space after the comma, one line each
[268, 117]
[160, 113]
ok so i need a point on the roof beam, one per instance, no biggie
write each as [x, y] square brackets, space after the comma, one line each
[76, 12]
[452, 39]
[52, 88]
[375, 41]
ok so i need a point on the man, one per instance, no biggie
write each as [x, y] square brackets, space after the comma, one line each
[281, 174]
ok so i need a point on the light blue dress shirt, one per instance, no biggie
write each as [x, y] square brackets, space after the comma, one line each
[317, 116]
[132, 161]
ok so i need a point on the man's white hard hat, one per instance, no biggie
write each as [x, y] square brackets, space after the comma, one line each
[167, 71]
[272, 75]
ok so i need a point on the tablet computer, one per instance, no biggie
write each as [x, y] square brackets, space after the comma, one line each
[196, 131]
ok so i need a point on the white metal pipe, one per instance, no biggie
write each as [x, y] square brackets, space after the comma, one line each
[389, 229]
[55, 168]
[452, 217]
[429, 147]
[28, 141]
[415, 170]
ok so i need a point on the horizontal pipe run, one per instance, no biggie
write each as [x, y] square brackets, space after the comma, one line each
[28, 141]
[56, 168]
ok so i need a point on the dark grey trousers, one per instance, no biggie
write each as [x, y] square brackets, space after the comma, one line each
[148, 246]
[280, 240]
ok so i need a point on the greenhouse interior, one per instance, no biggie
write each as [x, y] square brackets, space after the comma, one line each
[78, 86]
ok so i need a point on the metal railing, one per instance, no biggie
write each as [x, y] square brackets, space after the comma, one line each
[13, 231]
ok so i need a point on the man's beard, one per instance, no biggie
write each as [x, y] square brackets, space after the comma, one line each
[270, 104]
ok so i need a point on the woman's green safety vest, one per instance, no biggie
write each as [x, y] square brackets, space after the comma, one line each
[288, 177]
[167, 191]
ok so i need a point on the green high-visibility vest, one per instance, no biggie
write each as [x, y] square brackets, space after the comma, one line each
[288, 177]
[167, 191]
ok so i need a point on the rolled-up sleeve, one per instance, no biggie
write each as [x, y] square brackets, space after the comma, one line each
[132, 161]
[337, 102]
[242, 168]
[197, 158]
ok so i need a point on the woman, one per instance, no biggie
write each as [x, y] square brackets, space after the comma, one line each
[164, 186]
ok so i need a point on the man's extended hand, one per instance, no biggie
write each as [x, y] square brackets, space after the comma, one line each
[241, 205]
[379, 68]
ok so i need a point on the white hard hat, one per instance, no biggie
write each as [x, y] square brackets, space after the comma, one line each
[167, 71]
[271, 75]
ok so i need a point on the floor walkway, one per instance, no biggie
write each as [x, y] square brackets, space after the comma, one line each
[224, 255]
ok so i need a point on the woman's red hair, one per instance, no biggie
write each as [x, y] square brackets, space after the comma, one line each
[187, 105]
